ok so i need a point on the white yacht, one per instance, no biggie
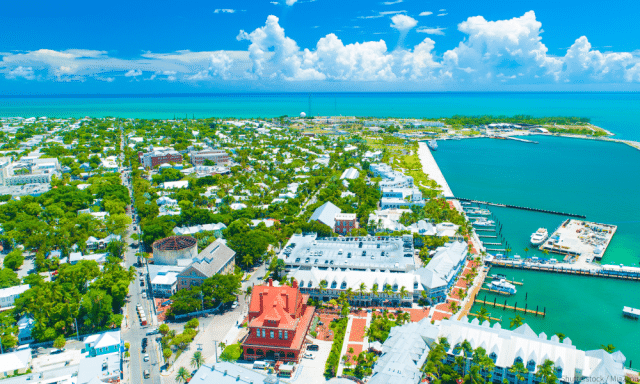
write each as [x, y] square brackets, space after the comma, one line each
[433, 145]
[539, 236]
[483, 222]
[503, 286]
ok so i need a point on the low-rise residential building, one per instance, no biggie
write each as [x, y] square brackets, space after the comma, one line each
[102, 343]
[390, 178]
[100, 369]
[13, 362]
[9, 295]
[159, 156]
[350, 174]
[216, 228]
[25, 326]
[216, 156]
[278, 323]
[401, 198]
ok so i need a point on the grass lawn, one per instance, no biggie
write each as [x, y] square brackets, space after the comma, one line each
[231, 352]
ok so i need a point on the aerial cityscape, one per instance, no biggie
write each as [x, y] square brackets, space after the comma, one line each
[398, 192]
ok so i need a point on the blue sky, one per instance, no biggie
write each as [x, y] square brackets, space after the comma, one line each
[324, 45]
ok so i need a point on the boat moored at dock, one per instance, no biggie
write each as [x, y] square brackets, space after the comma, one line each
[539, 236]
[433, 145]
[503, 286]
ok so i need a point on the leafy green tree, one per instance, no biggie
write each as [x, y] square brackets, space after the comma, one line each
[8, 278]
[516, 321]
[163, 329]
[59, 342]
[14, 259]
[610, 348]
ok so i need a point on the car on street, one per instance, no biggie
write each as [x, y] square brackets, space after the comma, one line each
[152, 331]
[146, 374]
[308, 356]
[146, 357]
[234, 305]
[313, 347]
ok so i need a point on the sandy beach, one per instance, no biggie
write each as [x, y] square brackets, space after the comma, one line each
[431, 169]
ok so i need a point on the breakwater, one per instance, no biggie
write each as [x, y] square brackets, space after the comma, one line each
[518, 207]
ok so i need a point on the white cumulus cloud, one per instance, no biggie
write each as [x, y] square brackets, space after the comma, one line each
[403, 22]
[426, 13]
[392, 2]
[291, 2]
[20, 71]
[133, 73]
[225, 10]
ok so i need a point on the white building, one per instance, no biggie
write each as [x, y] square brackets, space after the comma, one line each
[350, 174]
[407, 348]
[28, 171]
[9, 295]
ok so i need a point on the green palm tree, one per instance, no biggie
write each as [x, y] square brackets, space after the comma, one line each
[403, 292]
[466, 347]
[516, 321]
[561, 336]
[374, 289]
[519, 370]
[483, 315]
[546, 371]
[323, 285]
[183, 375]
[362, 289]
[460, 363]
[197, 360]
[608, 348]
[526, 251]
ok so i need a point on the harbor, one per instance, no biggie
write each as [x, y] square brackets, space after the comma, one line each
[557, 289]
[580, 240]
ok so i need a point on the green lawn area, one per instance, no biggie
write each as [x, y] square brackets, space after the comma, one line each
[231, 352]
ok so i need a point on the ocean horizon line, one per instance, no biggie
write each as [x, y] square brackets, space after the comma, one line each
[241, 94]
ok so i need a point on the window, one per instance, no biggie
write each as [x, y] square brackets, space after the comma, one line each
[559, 372]
[493, 357]
[517, 360]
[286, 335]
[271, 334]
[257, 332]
[531, 365]
[279, 334]
[264, 333]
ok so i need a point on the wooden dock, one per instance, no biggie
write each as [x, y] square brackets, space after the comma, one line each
[512, 307]
[495, 291]
[517, 207]
[490, 318]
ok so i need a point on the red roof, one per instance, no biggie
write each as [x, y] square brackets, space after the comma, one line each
[279, 308]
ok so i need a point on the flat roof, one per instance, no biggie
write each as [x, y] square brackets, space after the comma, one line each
[370, 252]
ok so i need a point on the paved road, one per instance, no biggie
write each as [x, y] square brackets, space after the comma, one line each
[134, 332]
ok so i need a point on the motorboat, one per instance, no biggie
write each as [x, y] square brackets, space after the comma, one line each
[483, 222]
[433, 145]
[538, 237]
[503, 285]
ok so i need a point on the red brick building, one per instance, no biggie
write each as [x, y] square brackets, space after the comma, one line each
[279, 319]
[345, 222]
[155, 158]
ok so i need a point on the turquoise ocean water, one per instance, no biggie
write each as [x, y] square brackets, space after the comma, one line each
[617, 112]
[597, 179]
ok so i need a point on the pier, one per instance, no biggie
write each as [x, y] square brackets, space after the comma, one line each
[581, 239]
[513, 307]
[519, 207]
[612, 274]
[489, 317]
[500, 137]
[495, 291]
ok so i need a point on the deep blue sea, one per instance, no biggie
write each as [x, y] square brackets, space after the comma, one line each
[617, 112]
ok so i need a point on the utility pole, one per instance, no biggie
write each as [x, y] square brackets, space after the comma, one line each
[75, 320]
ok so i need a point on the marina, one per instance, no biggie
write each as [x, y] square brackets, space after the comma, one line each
[517, 207]
[612, 272]
[580, 240]
[514, 307]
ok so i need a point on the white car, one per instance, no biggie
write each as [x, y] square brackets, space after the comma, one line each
[144, 295]
[234, 305]
[308, 356]
[146, 357]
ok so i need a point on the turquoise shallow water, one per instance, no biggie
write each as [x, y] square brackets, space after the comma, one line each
[596, 179]
[617, 112]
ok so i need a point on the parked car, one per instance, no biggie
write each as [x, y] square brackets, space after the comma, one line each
[147, 374]
[313, 347]
[308, 356]
[146, 357]
[234, 305]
